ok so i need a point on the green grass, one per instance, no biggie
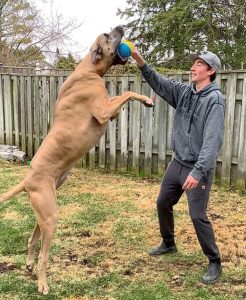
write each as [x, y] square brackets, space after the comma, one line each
[100, 248]
[112, 285]
[129, 232]
[140, 290]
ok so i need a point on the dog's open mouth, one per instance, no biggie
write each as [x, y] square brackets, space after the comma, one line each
[118, 60]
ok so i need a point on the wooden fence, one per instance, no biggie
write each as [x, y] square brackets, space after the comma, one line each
[139, 140]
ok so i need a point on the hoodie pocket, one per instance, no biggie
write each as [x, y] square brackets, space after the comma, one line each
[181, 145]
[195, 147]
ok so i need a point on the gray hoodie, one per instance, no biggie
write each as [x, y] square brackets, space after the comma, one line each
[198, 126]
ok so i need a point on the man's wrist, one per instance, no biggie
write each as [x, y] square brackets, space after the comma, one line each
[197, 174]
[140, 61]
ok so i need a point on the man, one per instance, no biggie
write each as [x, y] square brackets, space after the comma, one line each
[197, 137]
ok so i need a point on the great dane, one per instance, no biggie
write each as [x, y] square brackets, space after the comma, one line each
[82, 111]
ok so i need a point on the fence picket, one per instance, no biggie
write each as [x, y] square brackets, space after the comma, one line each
[123, 128]
[8, 109]
[241, 176]
[37, 104]
[112, 131]
[53, 96]
[44, 104]
[135, 117]
[1, 112]
[29, 120]
[23, 113]
[92, 157]
[229, 122]
[162, 111]
[148, 133]
[102, 152]
[16, 110]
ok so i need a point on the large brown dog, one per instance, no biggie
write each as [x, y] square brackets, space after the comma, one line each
[82, 111]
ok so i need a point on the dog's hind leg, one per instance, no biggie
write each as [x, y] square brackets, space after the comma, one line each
[62, 179]
[43, 201]
[31, 247]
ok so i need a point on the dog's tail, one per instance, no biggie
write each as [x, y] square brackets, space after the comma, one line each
[15, 190]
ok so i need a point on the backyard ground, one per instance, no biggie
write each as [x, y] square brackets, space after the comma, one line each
[107, 223]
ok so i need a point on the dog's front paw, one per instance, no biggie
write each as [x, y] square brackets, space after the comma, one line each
[150, 102]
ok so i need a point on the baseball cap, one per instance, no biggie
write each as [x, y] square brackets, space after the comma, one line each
[209, 57]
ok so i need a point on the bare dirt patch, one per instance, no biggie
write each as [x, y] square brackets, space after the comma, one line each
[13, 216]
[6, 267]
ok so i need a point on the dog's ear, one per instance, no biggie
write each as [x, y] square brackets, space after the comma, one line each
[96, 55]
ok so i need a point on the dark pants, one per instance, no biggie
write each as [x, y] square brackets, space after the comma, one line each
[170, 193]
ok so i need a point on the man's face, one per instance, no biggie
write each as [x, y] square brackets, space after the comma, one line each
[200, 71]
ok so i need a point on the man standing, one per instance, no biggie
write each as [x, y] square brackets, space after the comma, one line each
[197, 136]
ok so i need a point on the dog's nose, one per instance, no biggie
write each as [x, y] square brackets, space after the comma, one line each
[120, 29]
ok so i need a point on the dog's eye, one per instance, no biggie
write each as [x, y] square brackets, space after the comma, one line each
[106, 36]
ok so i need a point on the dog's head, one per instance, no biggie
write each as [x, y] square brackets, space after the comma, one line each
[104, 49]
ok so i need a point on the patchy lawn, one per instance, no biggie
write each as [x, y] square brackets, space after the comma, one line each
[107, 224]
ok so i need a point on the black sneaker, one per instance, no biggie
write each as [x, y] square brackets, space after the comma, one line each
[213, 273]
[163, 249]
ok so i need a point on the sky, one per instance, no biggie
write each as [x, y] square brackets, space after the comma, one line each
[98, 16]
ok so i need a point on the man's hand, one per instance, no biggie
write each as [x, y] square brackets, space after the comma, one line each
[137, 57]
[190, 183]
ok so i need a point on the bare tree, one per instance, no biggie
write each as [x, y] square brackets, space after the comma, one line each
[26, 36]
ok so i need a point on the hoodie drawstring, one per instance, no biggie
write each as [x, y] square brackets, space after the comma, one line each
[193, 112]
[195, 106]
